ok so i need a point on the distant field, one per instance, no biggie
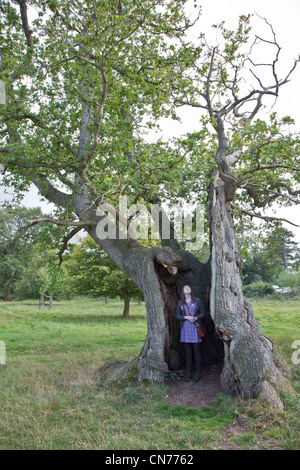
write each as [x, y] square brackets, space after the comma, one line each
[52, 396]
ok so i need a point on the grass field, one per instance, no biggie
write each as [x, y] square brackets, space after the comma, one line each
[52, 395]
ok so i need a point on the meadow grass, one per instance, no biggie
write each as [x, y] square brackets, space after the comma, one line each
[52, 395]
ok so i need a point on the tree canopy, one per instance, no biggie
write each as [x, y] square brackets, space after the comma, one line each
[85, 80]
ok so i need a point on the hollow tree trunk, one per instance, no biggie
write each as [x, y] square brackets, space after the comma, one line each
[251, 365]
[162, 350]
[154, 272]
[191, 271]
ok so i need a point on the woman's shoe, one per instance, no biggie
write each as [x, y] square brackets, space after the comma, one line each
[197, 378]
[187, 377]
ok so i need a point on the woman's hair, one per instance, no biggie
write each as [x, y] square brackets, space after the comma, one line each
[183, 295]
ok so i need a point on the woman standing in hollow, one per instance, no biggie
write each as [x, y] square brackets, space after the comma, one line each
[189, 311]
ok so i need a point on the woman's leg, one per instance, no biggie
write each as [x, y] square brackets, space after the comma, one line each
[188, 359]
[198, 360]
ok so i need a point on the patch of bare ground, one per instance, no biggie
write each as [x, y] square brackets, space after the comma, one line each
[197, 394]
[200, 394]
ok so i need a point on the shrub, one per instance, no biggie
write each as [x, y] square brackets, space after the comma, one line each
[288, 279]
[258, 289]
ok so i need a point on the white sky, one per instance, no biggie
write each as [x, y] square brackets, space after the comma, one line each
[284, 17]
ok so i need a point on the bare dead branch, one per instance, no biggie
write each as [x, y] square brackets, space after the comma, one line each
[265, 217]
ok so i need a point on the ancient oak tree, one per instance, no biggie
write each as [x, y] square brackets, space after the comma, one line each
[83, 82]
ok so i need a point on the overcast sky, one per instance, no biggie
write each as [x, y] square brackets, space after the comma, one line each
[284, 17]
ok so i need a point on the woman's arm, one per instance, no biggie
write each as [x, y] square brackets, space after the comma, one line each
[200, 310]
[179, 315]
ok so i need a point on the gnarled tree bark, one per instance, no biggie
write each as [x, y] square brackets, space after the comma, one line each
[252, 367]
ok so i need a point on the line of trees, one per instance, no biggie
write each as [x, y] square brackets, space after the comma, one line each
[28, 261]
[268, 253]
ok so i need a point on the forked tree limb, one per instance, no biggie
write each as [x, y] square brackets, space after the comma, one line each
[265, 217]
[65, 243]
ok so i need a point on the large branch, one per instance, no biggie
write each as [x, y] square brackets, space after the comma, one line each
[93, 150]
[48, 191]
[259, 168]
[63, 223]
[28, 34]
[270, 194]
[77, 224]
[25, 23]
[287, 187]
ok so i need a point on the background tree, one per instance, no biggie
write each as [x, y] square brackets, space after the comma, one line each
[89, 271]
[280, 240]
[41, 275]
[269, 252]
[20, 247]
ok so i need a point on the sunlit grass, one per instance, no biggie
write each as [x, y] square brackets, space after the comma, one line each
[52, 395]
